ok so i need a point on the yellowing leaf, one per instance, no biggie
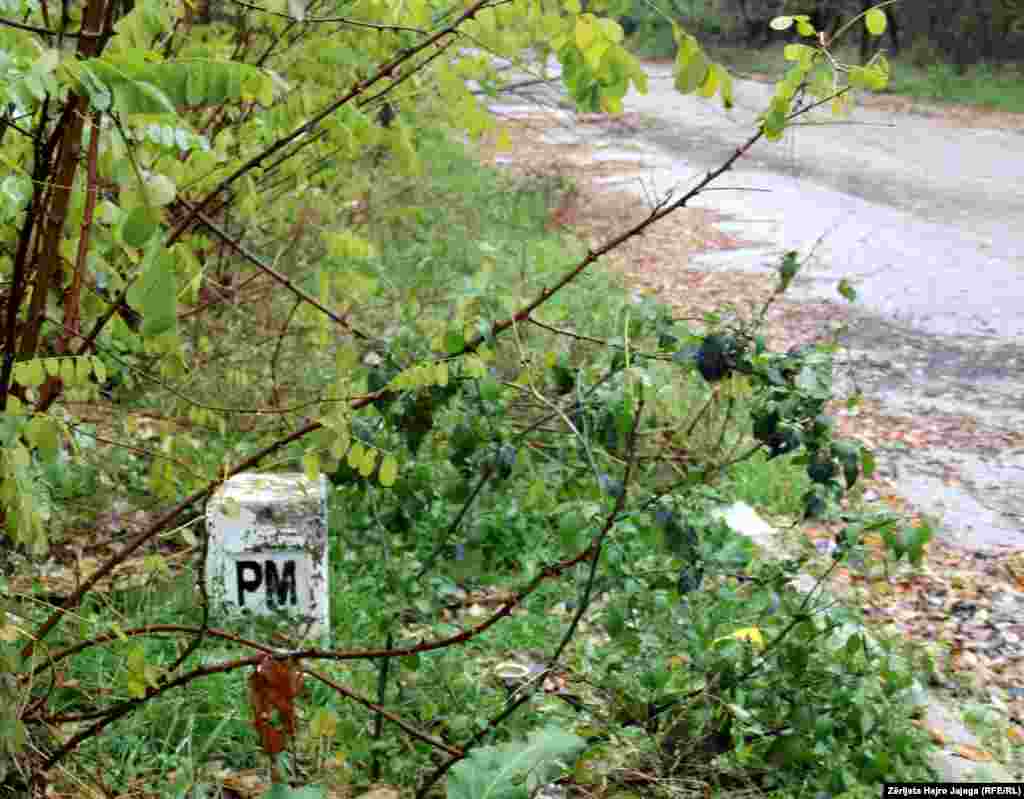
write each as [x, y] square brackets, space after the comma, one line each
[83, 370]
[368, 462]
[710, 84]
[9, 633]
[804, 28]
[875, 21]
[751, 634]
[30, 373]
[324, 723]
[347, 245]
[99, 370]
[388, 471]
[339, 446]
[311, 465]
[355, 455]
[475, 367]
[345, 359]
[585, 32]
[611, 29]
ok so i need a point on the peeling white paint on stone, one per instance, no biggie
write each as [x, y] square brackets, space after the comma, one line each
[268, 551]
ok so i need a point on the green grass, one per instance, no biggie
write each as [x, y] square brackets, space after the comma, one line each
[476, 228]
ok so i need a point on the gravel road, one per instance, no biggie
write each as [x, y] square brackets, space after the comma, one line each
[925, 216]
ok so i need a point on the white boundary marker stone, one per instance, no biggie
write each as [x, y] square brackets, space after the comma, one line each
[268, 549]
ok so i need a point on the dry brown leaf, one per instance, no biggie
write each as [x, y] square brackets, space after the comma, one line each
[973, 753]
[273, 686]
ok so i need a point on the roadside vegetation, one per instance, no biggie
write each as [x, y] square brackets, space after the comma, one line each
[929, 65]
[219, 257]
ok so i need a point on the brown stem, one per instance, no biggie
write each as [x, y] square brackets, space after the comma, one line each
[55, 212]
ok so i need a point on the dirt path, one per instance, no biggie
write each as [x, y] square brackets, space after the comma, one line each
[922, 209]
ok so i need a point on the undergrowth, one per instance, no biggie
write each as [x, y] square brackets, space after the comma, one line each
[729, 682]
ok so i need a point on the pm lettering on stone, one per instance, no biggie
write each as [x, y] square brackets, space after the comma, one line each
[280, 588]
[268, 553]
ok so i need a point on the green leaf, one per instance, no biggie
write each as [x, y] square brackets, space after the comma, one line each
[30, 373]
[99, 370]
[875, 21]
[804, 27]
[454, 340]
[691, 66]
[782, 23]
[311, 465]
[490, 389]
[139, 226]
[195, 87]
[43, 433]
[867, 460]
[388, 471]
[711, 80]
[726, 87]
[355, 455]
[493, 772]
[847, 291]
[160, 190]
[155, 293]
[859, 78]
[571, 527]
[369, 460]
